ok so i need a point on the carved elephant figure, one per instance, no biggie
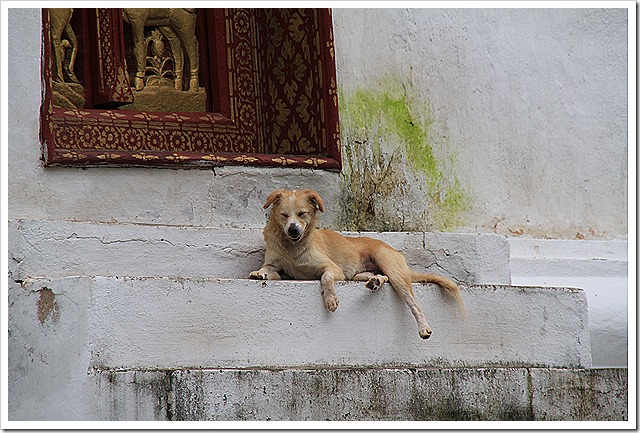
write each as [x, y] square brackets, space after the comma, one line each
[179, 27]
[60, 25]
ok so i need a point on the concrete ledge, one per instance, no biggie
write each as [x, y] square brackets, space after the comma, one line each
[363, 394]
[164, 323]
[568, 258]
[56, 249]
[600, 268]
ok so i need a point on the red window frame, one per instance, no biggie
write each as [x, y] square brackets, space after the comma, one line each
[234, 134]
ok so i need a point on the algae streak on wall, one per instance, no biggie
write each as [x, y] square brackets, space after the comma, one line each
[392, 179]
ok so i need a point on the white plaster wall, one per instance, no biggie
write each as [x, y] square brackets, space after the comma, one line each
[531, 104]
[600, 268]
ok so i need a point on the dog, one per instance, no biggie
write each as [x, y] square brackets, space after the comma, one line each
[298, 249]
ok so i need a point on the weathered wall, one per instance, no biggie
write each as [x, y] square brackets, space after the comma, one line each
[467, 119]
[486, 119]
[361, 394]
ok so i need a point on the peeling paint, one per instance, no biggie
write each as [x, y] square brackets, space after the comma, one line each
[392, 180]
[47, 306]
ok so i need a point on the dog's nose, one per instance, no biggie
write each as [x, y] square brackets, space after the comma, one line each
[293, 231]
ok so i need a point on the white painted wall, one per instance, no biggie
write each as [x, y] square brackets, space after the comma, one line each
[530, 103]
[531, 107]
[598, 267]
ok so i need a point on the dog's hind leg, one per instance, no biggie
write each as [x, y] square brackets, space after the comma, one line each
[401, 283]
[393, 264]
[372, 281]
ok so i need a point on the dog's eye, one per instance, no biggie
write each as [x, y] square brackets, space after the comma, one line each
[301, 214]
[286, 215]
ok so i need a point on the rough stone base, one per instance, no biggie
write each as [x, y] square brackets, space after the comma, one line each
[364, 394]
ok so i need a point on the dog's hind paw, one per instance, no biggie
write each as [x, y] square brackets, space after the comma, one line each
[376, 282]
[424, 333]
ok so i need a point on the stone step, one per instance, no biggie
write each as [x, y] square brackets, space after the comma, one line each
[569, 258]
[174, 323]
[57, 249]
[362, 394]
[600, 268]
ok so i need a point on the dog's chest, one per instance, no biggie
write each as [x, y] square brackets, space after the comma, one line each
[301, 264]
[302, 267]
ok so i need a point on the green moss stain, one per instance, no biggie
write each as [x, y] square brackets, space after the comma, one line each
[382, 136]
[454, 202]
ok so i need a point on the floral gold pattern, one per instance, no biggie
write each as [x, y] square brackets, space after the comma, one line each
[215, 158]
[108, 156]
[245, 159]
[144, 156]
[284, 161]
[176, 157]
[74, 156]
[293, 117]
[315, 162]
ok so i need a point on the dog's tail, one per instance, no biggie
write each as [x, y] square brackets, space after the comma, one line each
[443, 282]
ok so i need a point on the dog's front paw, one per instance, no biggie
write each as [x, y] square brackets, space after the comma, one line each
[258, 275]
[331, 302]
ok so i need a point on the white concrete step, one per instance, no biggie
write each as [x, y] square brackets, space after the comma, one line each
[598, 267]
[57, 249]
[568, 258]
[169, 323]
[361, 394]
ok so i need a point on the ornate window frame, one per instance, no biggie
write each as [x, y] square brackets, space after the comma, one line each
[232, 135]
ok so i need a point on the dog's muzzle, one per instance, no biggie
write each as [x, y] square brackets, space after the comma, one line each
[294, 233]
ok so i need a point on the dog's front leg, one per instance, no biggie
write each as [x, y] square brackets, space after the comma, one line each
[327, 284]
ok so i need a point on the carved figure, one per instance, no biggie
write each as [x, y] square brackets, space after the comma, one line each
[179, 27]
[60, 23]
[159, 64]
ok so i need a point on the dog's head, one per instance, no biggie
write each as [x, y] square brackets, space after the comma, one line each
[294, 211]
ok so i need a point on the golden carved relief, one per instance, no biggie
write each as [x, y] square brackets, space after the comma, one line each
[62, 38]
[158, 73]
[179, 27]
[276, 98]
[67, 90]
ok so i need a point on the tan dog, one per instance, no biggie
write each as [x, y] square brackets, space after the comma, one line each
[301, 251]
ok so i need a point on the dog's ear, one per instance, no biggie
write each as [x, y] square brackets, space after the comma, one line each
[314, 198]
[273, 197]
